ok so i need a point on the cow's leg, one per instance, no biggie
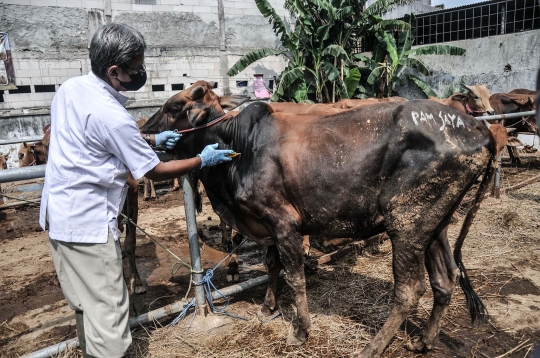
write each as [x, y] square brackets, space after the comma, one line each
[409, 285]
[443, 273]
[233, 274]
[273, 265]
[152, 190]
[176, 184]
[146, 194]
[132, 211]
[292, 257]
[514, 155]
[306, 245]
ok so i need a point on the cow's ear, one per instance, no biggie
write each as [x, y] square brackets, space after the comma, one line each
[460, 96]
[468, 88]
[531, 101]
[231, 102]
[24, 145]
[197, 92]
[7, 155]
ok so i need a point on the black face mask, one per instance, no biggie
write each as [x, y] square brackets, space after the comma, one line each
[137, 81]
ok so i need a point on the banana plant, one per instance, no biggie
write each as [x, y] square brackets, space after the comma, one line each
[391, 62]
[320, 46]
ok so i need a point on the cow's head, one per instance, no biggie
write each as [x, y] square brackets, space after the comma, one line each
[3, 161]
[26, 154]
[475, 100]
[191, 107]
[505, 103]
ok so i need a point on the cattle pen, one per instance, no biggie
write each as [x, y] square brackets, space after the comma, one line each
[172, 308]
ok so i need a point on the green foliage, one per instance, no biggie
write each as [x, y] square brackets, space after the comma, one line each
[320, 45]
[391, 62]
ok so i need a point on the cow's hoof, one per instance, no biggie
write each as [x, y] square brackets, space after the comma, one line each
[417, 345]
[292, 340]
[233, 277]
[146, 198]
[175, 188]
[153, 197]
[139, 290]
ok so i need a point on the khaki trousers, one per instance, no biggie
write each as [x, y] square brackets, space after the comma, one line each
[92, 281]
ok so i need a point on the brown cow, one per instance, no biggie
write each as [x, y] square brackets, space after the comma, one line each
[362, 171]
[475, 102]
[523, 91]
[504, 103]
[303, 108]
[355, 103]
[35, 153]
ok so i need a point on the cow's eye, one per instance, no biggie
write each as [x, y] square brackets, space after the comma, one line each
[476, 97]
[173, 112]
[21, 156]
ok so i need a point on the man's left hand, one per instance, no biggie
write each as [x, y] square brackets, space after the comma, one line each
[167, 138]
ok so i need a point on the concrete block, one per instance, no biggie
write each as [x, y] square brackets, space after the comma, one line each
[121, 1]
[26, 65]
[203, 10]
[70, 3]
[42, 103]
[139, 7]
[170, 2]
[94, 4]
[36, 81]
[244, 5]
[44, 96]
[73, 72]
[232, 11]
[250, 12]
[209, 3]
[16, 2]
[120, 7]
[162, 8]
[28, 73]
[43, 2]
[24, 81]
[75, 64]
[20, 97]
[183, 8]
[190, 2]
[57, 72]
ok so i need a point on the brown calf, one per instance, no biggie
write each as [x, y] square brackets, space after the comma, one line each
[475, 102]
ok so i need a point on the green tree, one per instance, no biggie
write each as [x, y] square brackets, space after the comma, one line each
[320, 45]
[391, 62]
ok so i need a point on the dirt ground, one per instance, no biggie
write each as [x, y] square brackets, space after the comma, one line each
[349, 298]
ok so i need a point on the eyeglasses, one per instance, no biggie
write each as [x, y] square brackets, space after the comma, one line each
[140, 70]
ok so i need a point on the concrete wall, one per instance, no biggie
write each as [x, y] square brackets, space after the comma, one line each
[49, 42]
[484, 63]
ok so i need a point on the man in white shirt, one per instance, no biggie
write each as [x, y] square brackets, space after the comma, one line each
[95, 143]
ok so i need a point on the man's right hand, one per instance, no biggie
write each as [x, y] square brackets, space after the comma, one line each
[210, 156]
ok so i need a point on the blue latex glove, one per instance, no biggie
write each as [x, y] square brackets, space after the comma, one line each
[210, 156]
[167, 138]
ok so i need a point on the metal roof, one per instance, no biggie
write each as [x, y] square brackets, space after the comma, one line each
[463, 7]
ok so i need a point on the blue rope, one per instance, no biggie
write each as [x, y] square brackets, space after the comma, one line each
[183, 313]
[208, 286]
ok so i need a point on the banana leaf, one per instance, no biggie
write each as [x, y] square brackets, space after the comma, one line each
[331, 72]
[428, 91]
[336, 51]
[351, 82]
[389, 44]
[278, 25]
[252, 57]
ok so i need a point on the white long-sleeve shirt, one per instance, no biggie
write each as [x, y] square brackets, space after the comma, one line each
[95, 143]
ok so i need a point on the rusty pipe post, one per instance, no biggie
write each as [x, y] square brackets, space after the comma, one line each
[193, 238]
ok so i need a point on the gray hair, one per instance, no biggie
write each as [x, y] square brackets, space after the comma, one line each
[114, 44]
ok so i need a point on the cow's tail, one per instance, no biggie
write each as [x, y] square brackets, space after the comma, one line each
[476, 306]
